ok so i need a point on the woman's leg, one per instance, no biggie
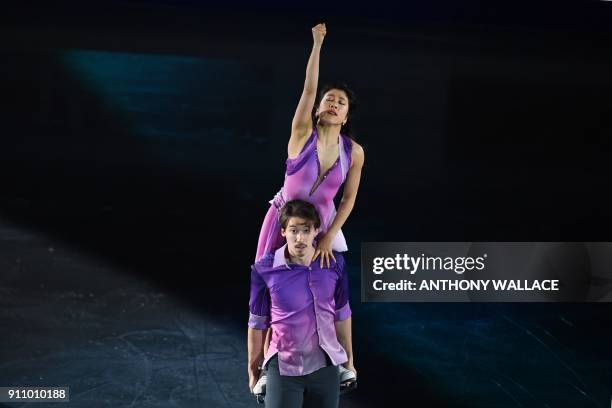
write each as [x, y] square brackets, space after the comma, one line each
[270, 238]
[322, 388]
[283, 391]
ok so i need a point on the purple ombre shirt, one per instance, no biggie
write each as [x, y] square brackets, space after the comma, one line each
[301, 303]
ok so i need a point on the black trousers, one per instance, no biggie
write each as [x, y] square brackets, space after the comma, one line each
[320, 389]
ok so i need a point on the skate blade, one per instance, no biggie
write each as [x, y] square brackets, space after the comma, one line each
[348, 385]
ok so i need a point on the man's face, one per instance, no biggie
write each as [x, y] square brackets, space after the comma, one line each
[299, 234]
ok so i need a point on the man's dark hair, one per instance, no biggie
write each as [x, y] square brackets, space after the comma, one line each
[301, 209]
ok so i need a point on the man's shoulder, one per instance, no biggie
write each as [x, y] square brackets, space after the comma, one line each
[339, 259]
[264, 262]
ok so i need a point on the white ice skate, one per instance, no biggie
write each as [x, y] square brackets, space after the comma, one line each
[260, 387]
[348, 380]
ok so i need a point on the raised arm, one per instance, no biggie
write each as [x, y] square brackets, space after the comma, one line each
[301, 126]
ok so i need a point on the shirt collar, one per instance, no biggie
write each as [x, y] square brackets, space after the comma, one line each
[279, 257]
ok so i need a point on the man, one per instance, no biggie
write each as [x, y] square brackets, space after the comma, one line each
[308, 309]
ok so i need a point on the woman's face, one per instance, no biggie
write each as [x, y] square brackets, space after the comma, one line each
[333, 108]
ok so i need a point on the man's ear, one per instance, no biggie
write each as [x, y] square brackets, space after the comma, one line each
[283, 232]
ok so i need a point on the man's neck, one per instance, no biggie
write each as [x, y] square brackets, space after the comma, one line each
[303, 260]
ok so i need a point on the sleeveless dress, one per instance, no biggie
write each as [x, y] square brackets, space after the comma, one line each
[300, 177]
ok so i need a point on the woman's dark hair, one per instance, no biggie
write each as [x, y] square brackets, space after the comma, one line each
[301, 209]
[352, 99]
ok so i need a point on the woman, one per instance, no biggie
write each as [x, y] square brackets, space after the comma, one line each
[320, 158]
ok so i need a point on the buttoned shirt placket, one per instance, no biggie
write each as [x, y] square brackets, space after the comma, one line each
[314, 303]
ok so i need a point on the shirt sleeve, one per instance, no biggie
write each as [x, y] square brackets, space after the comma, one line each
[259, 302]
[341, 294]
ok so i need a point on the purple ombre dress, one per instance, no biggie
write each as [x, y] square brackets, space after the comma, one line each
[300, 177]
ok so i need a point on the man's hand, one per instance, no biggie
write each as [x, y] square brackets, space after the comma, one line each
[318, 33]
[253, 377]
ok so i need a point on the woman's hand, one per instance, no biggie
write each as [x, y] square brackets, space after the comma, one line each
[318, 33]
[324, 248]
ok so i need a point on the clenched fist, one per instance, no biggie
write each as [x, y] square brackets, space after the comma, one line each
[318, 33]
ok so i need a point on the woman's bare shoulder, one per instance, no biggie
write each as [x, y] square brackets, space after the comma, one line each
[357, 151]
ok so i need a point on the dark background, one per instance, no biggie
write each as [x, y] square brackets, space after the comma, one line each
[153, 134]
